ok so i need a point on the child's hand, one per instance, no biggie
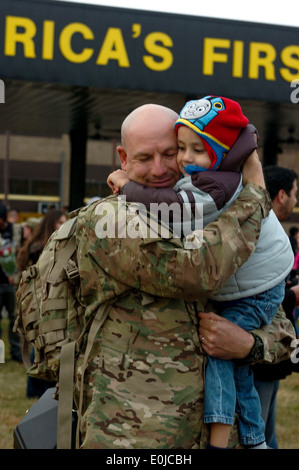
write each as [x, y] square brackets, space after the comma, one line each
[252, 170]
[117, 180]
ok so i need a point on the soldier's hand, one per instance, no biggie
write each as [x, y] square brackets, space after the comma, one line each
[223, 339]
[252, 170]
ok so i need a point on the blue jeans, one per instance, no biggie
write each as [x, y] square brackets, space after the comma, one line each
[229, 388]
[268, 396]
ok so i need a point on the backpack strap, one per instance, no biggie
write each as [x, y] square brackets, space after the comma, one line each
[66, 381]
[98, 321]
[31, 335]
[25, 353]
[66, 231]
[65, 402]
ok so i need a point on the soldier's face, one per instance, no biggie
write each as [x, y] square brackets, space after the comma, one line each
[150, 156]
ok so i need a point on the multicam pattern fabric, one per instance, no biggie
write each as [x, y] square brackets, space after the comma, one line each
[143, 386]
[49, 310]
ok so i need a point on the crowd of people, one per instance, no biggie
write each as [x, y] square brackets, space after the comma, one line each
[21, 245]
[154, 386]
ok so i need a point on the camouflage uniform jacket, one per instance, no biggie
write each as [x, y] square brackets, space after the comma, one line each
[144, 384]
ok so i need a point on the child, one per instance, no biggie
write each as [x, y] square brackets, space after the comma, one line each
[207, 130]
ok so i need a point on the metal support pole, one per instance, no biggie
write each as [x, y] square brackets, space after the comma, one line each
[78, 138]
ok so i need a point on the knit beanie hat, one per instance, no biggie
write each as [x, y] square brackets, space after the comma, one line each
[217, 120]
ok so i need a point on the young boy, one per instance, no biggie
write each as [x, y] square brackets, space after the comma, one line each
[213, 141]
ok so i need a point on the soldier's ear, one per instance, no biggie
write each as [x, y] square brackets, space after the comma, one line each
[123, 156]
[281, 196]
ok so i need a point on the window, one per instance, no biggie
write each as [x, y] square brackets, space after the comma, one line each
[18, 186]
[45, 188]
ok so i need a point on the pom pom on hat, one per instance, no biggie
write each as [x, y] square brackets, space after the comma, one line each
[217, 120]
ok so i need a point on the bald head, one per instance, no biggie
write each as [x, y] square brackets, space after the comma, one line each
[149, 146]
[145, 116]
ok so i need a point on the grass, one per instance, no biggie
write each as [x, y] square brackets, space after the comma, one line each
[288, 413]
[14, 404]
[13, 401]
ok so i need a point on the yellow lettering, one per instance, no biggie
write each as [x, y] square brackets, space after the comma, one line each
[113, 48]
[210, 56]
[288, 59]
[48, 40]
[151, 46]
[136, 30]
[261, 55]
[12, 36]
[65, 40]
[238, 53]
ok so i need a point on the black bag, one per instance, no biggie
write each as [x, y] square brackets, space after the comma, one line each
[38, 428]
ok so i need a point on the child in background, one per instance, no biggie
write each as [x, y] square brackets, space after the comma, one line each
[213, 141]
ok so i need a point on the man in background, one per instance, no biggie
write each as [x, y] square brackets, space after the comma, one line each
[281, 184]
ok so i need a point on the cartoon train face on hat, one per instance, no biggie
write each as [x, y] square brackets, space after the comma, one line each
[218, 121]
[202, 111]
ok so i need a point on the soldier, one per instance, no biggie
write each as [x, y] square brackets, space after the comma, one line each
[144, 386]
[214, 139]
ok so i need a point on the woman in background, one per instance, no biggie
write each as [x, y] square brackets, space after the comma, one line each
[33, 246]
